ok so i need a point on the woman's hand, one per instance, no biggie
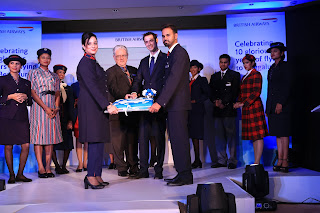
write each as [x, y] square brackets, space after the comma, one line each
[237, 105]
[55, 111]
[278, 108]
[18, 97]
[112, 109]
[69, 125]
[49, 112]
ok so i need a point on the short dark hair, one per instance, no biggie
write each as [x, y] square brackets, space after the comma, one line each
[283, 56]
[150, 33]
[171, 26]
[86, 37]
[225, 56]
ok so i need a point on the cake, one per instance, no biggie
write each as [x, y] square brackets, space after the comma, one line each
[128, 105]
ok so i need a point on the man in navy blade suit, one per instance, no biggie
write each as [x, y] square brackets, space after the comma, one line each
[225, 87]
[175, 98]
[152, 127]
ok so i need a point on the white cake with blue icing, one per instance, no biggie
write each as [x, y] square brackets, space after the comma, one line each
[138, 104]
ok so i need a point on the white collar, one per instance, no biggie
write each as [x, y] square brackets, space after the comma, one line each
[195, 77]
[155, 56]
[224, 71]
[173, 46]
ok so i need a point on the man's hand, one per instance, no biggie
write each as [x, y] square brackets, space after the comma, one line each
[154, 108]
[237, 105]
[112, 109]
[278, 108]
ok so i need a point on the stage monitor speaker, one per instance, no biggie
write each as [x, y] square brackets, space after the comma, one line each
[213, 199]
[255, 180]
[2, 184]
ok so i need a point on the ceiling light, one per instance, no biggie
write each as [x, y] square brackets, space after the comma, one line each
[115, 10]
[180, 7]
[2, 14]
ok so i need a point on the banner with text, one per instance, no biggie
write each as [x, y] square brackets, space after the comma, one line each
[22, 38]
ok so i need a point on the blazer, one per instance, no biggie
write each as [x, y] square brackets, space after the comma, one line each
[279, 88]
[118, 82]
[10, 108]
[155, 80]
[227, 90]
[93, 100]
[199, 90]
[175, 94]
[119, 85]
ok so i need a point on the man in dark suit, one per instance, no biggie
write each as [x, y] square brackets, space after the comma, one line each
[225, 87]
[152, 126]
[123, 128]
[175, 98]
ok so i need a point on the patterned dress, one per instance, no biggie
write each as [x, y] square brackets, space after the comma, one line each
[254, 125]
[44, 130]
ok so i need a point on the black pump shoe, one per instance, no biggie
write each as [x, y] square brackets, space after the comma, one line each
[196, 164]
[44, 175]
[87, 184]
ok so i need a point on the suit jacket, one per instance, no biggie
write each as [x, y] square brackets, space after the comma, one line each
[119, 85]
[155, 80]
[93, 100]
[227, 90]
[175, 94]
[10, 108]
[279, 88]
[199, 93]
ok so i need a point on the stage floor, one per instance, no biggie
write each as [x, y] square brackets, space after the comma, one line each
[66, 193]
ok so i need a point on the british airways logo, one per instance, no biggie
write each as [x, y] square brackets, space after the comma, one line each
[270, 19]
[27, 28]
[17, 30]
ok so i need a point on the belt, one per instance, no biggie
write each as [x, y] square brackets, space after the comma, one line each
[48, 92]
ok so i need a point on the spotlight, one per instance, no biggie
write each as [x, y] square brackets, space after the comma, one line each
[255, 181]
[180, 7]
[2, 184]
[2, 14]
[115, 10]
[209, 198]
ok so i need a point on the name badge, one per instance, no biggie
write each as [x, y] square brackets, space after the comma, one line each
[228, 84]
[167, 66]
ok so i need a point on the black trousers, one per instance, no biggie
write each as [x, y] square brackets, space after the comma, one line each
[123, 133]
[95, 157]
[178, 133]
[152, 125]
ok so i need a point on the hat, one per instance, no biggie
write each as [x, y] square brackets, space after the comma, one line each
[43, 50]
[59, 67]
[15, 58]
[196, 63]
[249, 57]
[278, 45]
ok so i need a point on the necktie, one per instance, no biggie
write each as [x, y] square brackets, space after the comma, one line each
[128, 74]
[222, 74]
[190, 84]
[168, 54]
[151, 64]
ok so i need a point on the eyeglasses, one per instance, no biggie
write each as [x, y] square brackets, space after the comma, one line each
[121, 56]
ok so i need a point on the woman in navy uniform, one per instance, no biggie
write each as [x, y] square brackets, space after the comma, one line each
[199, 89]
[278, 107]
[15, 95]
[92, 102]
[66, 110]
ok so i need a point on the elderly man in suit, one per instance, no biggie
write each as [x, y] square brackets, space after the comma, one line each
[225, 87]
[175, 98]
[123, 128]
[152, 126]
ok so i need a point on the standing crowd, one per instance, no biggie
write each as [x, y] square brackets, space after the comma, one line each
[58, 109]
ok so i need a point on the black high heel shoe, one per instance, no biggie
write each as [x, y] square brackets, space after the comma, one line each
[277, 168]
[196, 164]
[87, 184]
[44, 175]
[12, 179]
[284, 169]
[112, 166]
[104, 183]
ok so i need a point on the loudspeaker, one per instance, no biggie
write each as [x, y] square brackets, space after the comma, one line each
[213, 199]
[2, 184]
[255, 181]
[192, 204]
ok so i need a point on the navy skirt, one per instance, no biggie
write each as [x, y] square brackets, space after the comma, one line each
[14, 131]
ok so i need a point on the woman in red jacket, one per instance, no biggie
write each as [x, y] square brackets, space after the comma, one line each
[254, 125]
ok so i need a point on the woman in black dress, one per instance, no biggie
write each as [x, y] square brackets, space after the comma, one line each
[199, 89]
[278, 107]
[15, 95]
[66, 110]
[92, 102]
